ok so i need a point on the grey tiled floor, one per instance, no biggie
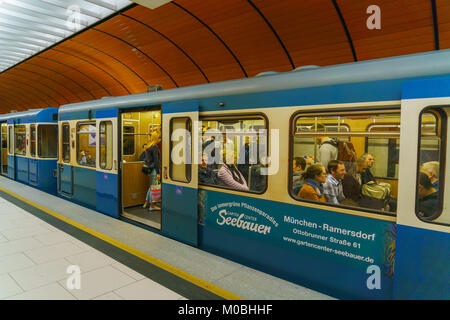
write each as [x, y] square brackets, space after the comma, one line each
[34, 258]
[31, 244]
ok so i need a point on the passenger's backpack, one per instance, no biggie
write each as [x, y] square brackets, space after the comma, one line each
[377, 190]
[346, 151]
[375, 195]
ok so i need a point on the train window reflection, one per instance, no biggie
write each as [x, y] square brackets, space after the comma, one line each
[48, 137]
[347, 160]
[33, 140]
[87, 148]
[65, 142]
[129, 139]
[234, 153]
[431, 192]
[106, 145]
[180, 149]
[20, 142]
[11, 140]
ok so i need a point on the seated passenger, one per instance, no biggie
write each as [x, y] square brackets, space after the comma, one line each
[431, 169]
[229, 174]
[314, 177]
[428, 198]
[351, 183]
[205, 174]
[367, 175]
[297, 179]
[83, 159]
[89, 159]
[333, 189]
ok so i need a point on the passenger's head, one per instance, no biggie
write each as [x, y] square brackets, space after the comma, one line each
[369, 159]
[229, 156]
[361, 164]
[299, 164]
[316, 172]
[337, 169]
[431, 169]
[154, 138]
[204, 163]
[424, 186]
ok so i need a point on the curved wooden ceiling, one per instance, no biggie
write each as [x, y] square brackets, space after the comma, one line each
[188, 42]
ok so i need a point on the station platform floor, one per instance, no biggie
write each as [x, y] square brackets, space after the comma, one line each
[41, 236]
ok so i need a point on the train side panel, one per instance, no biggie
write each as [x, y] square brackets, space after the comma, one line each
[328, 251]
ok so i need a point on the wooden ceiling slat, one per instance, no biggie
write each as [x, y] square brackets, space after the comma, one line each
[443, 13]
[13, 89]
[406, 26]
[129, 56]
[43, 91]
[110, 65]
[50, 80]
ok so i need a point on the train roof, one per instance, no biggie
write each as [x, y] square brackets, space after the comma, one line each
[29, 114]
[415, 66]
[15, 115]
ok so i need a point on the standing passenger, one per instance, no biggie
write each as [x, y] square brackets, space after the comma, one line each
[328, 149]
[153, 162]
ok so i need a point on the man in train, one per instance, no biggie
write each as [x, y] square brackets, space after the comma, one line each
[367, 175]
[332, 188]
[205, 174]
[428, 198]
[431, 169]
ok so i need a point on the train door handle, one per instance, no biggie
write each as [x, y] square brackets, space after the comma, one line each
[165, 172]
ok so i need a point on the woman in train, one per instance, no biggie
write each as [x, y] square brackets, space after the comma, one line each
[314, 176]
[153, 162]
[229, 174]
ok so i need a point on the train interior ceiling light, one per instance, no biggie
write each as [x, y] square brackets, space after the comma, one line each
[28, 27]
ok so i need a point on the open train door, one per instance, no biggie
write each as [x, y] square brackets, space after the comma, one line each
[179, 176]
[422, 257]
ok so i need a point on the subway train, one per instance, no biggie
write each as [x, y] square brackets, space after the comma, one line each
[396, 110]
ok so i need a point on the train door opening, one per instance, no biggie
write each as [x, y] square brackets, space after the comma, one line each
[4, 149]
[140, 176]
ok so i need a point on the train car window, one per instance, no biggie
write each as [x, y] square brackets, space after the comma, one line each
[66, 142]
[180, 149]
[4, 136]
[129, 140]
[86, 146]
[33, 140]
[431, 191]
[48, 140]
[383, 167]
[346, 160]
[106, 145]
[234, 153]
[11, 140]
[20, 142]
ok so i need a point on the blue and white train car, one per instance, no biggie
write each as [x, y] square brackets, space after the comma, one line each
[30, 140]
[396, 110]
